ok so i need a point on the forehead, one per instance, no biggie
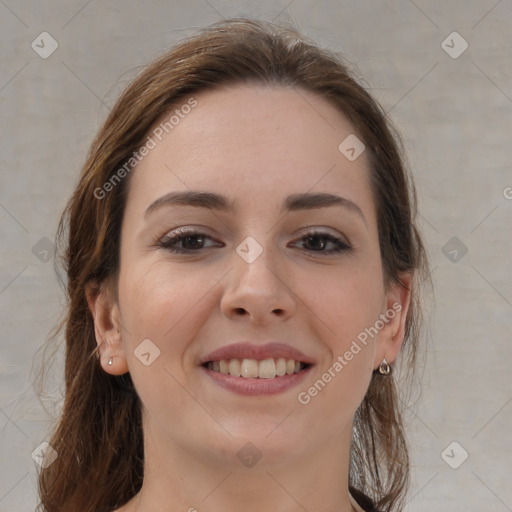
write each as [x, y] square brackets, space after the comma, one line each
[250, 142]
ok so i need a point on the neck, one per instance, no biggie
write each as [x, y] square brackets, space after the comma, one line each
[179, 480]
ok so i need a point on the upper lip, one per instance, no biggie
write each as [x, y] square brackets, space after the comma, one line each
[248, 350]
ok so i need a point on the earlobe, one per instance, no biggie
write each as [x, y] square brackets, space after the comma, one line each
[397, 303]
[107, 328]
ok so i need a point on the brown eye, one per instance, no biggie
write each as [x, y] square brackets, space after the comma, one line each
[317, 242]
[190, 240]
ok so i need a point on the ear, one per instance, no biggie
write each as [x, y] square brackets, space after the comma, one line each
[395, 307]
[107, 327]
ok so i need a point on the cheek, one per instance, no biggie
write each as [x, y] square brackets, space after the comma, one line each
[347, 305]
[346, 300]
[347, 312]
[165, 304]
[158, 305]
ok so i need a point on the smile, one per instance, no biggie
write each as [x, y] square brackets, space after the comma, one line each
[269, 368]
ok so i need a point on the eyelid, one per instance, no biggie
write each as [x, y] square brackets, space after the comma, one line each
[325, 231]
[186, 231]
[190, 230]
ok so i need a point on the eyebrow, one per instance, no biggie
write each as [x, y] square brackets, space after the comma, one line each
[294, 202]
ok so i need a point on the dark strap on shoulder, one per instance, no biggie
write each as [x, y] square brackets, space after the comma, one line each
[363, 501]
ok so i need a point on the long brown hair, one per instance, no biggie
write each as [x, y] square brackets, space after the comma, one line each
[98, 436]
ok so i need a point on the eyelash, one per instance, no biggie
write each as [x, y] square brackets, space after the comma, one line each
[168, 241]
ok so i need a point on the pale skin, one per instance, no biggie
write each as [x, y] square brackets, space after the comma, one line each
[255, 145]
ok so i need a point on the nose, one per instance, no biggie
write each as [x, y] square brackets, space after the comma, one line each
[259, 291]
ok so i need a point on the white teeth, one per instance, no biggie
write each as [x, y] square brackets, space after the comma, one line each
[224, 366]
[252, 368]
[234, 367]
[249, 368]
[281, 367]
[267, 369]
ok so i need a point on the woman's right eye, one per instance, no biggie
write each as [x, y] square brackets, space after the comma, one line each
[190, 239]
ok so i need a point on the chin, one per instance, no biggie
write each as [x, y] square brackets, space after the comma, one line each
[264, 446]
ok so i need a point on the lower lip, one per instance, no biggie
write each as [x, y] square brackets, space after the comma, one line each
[253, 387]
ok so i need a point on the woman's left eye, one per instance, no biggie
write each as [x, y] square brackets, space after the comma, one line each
[320, 240]
[193, 241]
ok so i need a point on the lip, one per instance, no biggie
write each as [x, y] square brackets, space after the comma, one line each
[248, 350]
[252, 386]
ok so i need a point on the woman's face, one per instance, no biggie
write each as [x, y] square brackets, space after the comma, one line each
[255, 283]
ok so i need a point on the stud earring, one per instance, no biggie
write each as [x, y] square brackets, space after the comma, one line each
[110, 361]
[384, 368]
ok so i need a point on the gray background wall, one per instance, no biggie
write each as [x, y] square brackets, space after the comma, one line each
[455, 115]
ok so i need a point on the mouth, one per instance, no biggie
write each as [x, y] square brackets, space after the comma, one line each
[270, 368]
[254, 369]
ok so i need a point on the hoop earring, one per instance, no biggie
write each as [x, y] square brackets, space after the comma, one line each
[384, 368]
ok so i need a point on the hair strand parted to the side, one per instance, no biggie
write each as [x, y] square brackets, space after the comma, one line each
[98, 437]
